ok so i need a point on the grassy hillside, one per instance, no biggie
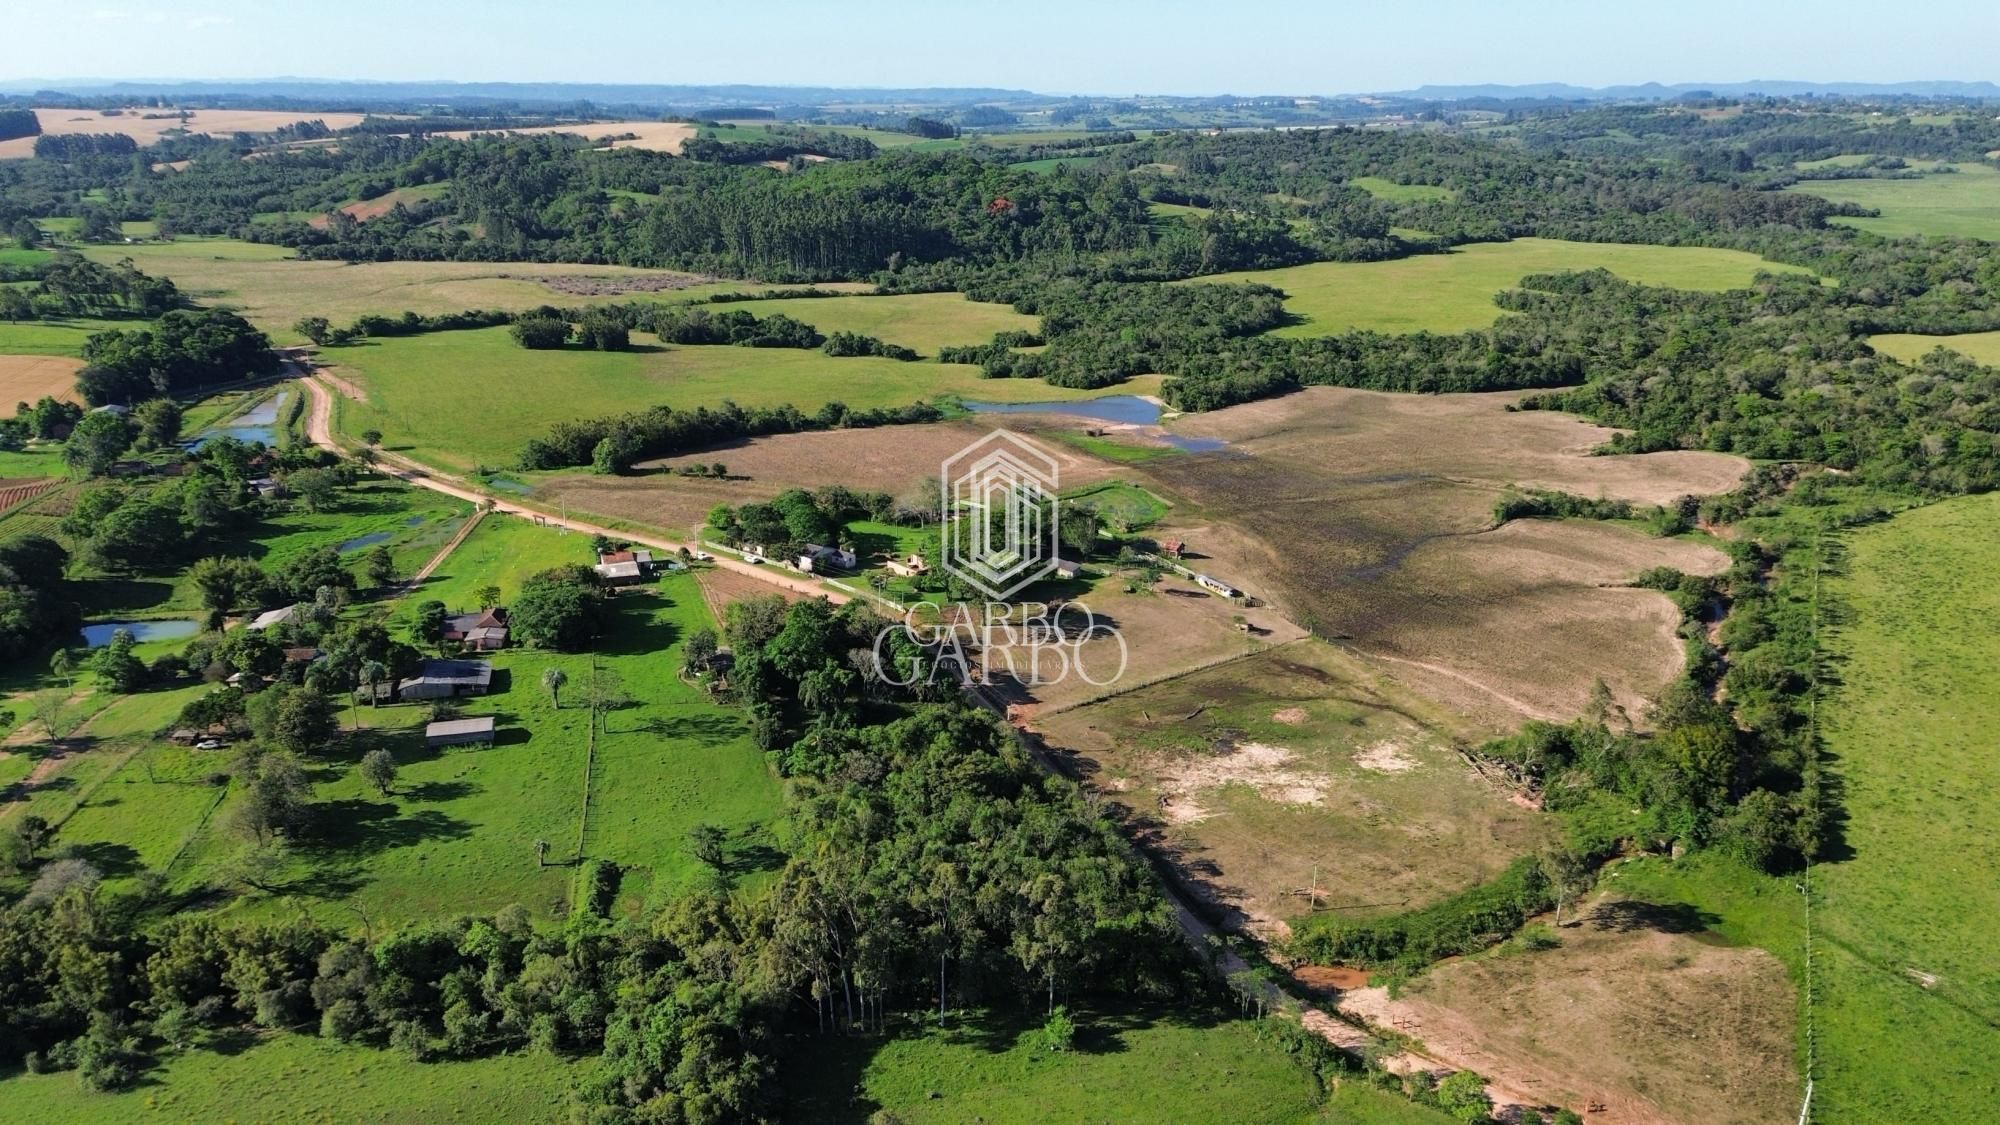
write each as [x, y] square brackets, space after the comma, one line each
[1454, 292]
[1983, 347]
[1912, 975]
[287, 1078]
[924, 321]
[1136, 1066]
[1965, 203]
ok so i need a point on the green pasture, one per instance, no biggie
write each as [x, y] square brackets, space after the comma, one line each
[923, 321]
[461, 399]
[280, 1077]
[1144, 1064]
[1982, 347]
[1964, 204]
[55, 337]
[1454, 292]
[1906, 968]
[1393, 192]
[1912, 980]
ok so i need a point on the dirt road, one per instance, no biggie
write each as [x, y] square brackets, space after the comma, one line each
[319, 429]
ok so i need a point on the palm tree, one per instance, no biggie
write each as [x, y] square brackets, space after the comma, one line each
[373, 672]
[553, 679]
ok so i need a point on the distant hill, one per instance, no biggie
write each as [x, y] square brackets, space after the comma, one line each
[331, 91]
[1773, 87]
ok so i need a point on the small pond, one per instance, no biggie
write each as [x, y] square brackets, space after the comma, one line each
[260, 423]
[99, 635]
[361, 541]
[1130, 410]
[1124, 410]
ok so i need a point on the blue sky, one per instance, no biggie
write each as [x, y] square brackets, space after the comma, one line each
[1083, 46]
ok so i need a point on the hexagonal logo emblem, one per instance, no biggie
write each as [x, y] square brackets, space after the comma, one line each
[999, 514]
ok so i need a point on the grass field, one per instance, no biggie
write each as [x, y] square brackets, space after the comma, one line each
[1911, 973]
[1965, 203]
[1137, 1066]
[1982, 347]
[1394, 192]
[274, 292]
[924, 321]
[1454, 292]
[457, 833]
[301, 1078]
[54, 338]
[424, 392]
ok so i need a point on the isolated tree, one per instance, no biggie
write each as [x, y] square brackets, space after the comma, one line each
[719, 470]
[1567, 874]
[429, 624]
[381, 566]
[34, 832]
[372, 437]
[373, 674]
[315, 328]
[707, 841]
[63, 667]
[317, 488]
[553, 679]
[277, 796]
[225, 583]
[1077, 528]
[159, 423]
[259, 866]
[51, 710]
[378, 768]
[488, 596]
[1463, 1096]
[99, 439]
[699, 650]
[117, 669]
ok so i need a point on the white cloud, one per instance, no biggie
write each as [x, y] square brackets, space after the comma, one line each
[199, 22]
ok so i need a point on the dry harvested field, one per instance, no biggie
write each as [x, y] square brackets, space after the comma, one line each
[659, 136]
[889, 460]
[1374, 515]
[1640, 1011]
[132, 123]
[25, 378]
[1301, 762]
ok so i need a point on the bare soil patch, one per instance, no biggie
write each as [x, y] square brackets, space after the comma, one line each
[25, 378]
[1368, 517]
[721, 586]
[1636, 1012]
[890, 459]
[1271, 820]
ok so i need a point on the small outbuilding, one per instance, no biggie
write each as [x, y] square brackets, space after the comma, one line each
[476, 731]
[628, 573]
[272, 617]
[447, 679]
